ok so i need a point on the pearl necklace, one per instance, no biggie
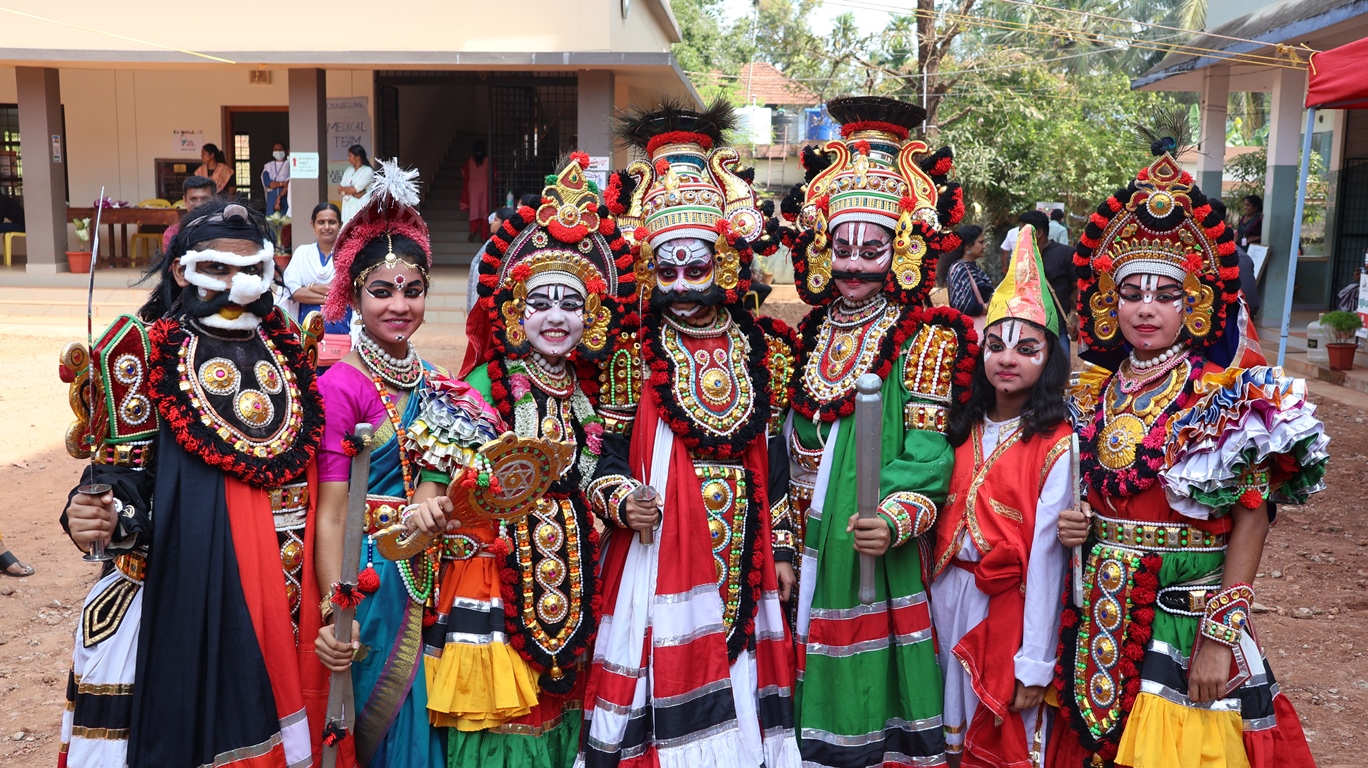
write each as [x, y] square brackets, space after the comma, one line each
[1139, 365]
[402, 374]
[854, 316]
[719, 326]
[557, 381]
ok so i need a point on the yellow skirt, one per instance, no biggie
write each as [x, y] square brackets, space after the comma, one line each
[1161, 734]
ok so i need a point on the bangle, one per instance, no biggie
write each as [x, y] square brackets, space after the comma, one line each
[1227, 614]
[782, 539]
[910, 514]
[326, 608]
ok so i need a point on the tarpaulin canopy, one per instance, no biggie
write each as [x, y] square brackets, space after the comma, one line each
[1337, 80]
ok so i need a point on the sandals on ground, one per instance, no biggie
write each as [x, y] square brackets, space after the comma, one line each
[8, 560]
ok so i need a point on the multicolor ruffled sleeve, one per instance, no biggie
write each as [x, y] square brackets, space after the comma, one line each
[1250, 437]
[453, 421]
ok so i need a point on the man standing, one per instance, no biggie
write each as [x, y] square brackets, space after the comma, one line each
[693, 664]
[193, 649]
[1058, 232]
[869, 686]
[195, 191]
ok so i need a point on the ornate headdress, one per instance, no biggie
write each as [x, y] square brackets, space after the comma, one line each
[390, 210]
[689, 186]
[569, 238]
[1023, 293]
[1159, 224]
[875, 174]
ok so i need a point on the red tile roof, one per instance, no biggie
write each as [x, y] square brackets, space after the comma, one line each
[769, 87]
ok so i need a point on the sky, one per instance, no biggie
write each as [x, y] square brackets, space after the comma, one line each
[868, 19]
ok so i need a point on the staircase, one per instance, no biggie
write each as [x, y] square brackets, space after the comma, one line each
[448, 225]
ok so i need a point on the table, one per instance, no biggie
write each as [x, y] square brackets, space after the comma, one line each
[164, 217]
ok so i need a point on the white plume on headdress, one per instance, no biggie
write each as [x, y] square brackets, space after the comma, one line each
[397, 184]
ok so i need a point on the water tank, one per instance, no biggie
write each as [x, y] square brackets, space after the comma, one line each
[820, 126]
[753, 125]
[788, 127]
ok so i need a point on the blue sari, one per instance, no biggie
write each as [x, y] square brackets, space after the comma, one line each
[392, 729]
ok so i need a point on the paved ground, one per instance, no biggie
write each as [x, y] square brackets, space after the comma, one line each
[1314, 578]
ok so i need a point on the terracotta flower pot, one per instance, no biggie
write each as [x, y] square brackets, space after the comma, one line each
[78, 261]
[1341, 356]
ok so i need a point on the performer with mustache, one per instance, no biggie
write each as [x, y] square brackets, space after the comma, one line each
[693, 664]
[876, 210]
[193, 649]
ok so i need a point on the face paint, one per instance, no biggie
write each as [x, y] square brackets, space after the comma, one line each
[1013, 355]
[232, 283]
[1150, 310]
[392, 302]
[860, 257]
[684, 265]
[553, 319]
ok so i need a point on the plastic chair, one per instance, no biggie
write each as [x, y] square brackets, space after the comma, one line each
[148, 241]
[154, 202]
[9, 244]
[179, 205]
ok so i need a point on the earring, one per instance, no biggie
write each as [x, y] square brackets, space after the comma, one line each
[1103, 305]
[1197, 301]
[819, 257]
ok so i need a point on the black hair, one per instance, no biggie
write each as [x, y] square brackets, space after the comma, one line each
[165, 296]
[1256, 201]
[968, 235]
[215, 153]
[479, 151]
[505, 213]
[531, 200]
[1057, 214]
[1021, 219]
[359, 151]
[321, 207]
[1038, 221]
[198, 182]
[379, 247]
[1043, 410]
[1218, 207]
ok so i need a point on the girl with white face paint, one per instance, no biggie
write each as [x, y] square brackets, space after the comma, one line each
[1011, 480]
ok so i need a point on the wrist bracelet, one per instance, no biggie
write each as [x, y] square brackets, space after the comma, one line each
[1227, 614]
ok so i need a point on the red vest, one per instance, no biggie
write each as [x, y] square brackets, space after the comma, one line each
[993, 499]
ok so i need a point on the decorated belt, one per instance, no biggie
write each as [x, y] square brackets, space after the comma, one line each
[290, 505]
[1165, 536]
[382, 512]
[136, 454]
[133, 565]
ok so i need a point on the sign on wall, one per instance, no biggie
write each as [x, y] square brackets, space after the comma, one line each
[186, 142]
[349, 123]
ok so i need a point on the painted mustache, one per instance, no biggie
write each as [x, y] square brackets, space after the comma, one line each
[868, 277]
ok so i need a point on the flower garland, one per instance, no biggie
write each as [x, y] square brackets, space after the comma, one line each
[166, 336]
[1149, 454]
[680, 420]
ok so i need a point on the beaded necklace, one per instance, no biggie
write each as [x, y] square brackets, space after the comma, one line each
[557, 383]
[403, 374]
[719, 326]
[420, 593]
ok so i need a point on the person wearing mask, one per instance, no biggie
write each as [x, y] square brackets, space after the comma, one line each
[356, 182]
[275, 178]
[310, 273]
[475, 193]
[195, 191]
[1249, 230]
[214, 165]
[1058, 232]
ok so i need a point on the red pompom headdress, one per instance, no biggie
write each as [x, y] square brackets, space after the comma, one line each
[391, 209]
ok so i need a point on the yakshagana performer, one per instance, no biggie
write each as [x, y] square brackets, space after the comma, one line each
[555, 284]
[1180, 455]
[693, 664]
[878, 208]
[427, 427]
[193, 649]
[998, 568]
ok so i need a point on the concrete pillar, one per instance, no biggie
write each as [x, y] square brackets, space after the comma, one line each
[622, 101]
[1280, 185]
[1211, 160]
[308, 133]
[595, 118]
[44, 151]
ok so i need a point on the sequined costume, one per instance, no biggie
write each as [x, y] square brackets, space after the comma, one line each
[880, 658]
[216, 429]
[1169, 447]
[523, 596]
[693, 661]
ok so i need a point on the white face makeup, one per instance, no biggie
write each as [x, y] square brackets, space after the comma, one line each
[1150, 309]
[553, 319]
[860, 247]
[682, 266]
[240, 268]
[1014, 355]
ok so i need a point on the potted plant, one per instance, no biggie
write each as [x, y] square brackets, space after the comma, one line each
[1342, 328]
[78, 261]
[279, 223]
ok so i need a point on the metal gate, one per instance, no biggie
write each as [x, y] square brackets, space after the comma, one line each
[532, 125]
[1351, 237]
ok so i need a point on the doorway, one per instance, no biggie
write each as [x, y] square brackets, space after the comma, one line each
[250, 133]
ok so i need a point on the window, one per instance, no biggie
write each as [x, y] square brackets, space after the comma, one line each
[11, 169]
[242, 163]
